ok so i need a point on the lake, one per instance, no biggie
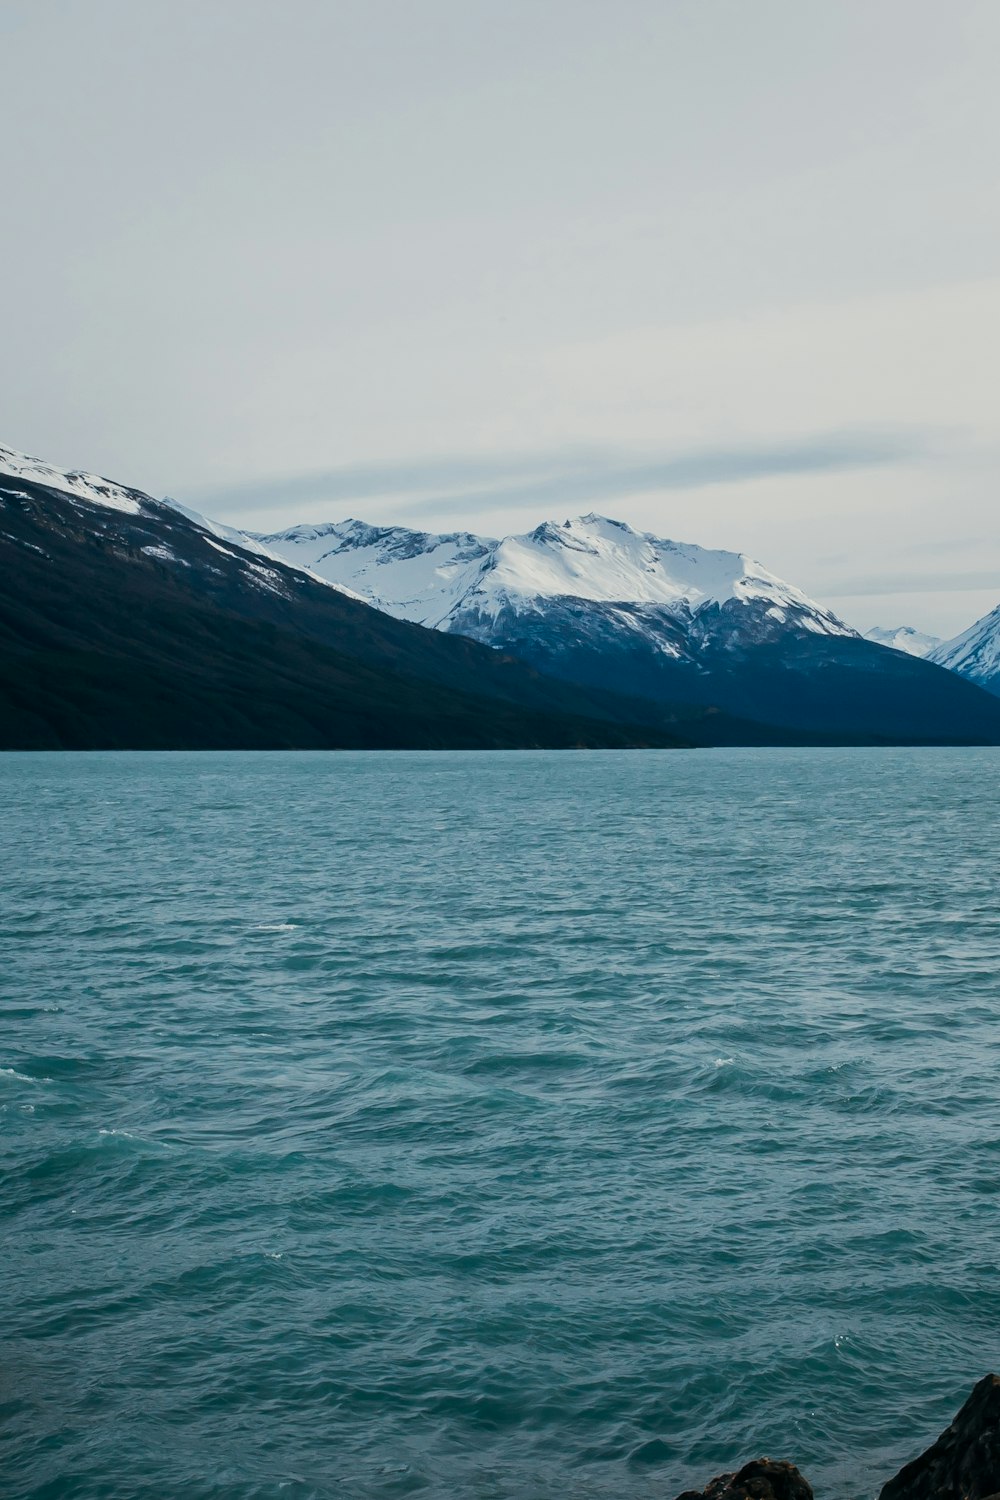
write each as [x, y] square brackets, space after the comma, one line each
[493, 1125]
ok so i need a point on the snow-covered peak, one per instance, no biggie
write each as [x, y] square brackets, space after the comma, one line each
[105, 492]
[976, 652]
[95, 490]
[414, 575]
[903, 638]
[595, 557]
[436, 579]
[471, 584]
[90, 487]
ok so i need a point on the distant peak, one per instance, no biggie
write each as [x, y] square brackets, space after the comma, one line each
[593, 519]
[904, 638]
[439, 579]
[547, 531]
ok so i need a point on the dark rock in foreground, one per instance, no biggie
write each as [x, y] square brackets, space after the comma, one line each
[761, 1479]
[964, 1463]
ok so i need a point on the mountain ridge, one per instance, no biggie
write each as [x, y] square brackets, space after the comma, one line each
[135, 621]
[440, 579]
[974, 653]
[126, 624]
[595, 602]
[132, 622]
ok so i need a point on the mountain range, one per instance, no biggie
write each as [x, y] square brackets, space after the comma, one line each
[128, 622]
[594, 602]
[131, 622]
[904, 638]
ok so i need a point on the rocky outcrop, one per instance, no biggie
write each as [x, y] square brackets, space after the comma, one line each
[761, 1479]
[964, 1463]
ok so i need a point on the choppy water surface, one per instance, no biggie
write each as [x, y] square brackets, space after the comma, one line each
[493, 1125]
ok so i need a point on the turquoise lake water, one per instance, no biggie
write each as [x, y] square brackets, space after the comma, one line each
[493, 1125]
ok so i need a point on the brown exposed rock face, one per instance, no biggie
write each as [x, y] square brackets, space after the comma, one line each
[964, 1463]
[761, 1479]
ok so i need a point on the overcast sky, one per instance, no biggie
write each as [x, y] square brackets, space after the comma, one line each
[726, 269]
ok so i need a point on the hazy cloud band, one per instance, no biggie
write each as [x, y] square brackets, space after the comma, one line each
[568, 477]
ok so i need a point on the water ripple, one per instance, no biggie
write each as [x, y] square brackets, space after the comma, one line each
[493, 1125]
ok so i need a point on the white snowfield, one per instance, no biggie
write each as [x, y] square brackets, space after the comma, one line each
[95, 490]
[976, 652]
[221, 532]
[904, 638]
[433, 580]
[248, 542]
[412, 575]
[90, 487]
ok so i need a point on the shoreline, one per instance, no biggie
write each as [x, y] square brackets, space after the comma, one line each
[962, 1464]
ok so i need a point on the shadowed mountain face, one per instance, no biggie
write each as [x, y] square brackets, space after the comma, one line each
[975, 654]
[825, 685]
[126, 624]
[598, 604]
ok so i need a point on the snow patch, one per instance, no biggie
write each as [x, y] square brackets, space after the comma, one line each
[163, 553]
[265, 577]
[20, 542]
[90, 487]
[224, 550]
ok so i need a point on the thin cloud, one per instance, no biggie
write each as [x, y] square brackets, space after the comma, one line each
[367, 481]
[915, 583]
[566, 477]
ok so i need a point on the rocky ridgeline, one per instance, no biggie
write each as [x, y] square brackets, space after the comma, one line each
[964, 1464]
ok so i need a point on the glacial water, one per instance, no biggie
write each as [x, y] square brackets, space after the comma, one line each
[496, 1125]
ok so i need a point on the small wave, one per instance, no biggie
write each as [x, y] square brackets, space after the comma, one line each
[275, 927]
[723, 1062]
[23, 1077]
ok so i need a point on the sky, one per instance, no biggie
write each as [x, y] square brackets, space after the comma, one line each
[725, 270]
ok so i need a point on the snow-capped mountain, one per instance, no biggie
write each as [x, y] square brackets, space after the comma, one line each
[672, 594]
[597, 603]
[107, 494]
[130, 621]
[89, 487]
[975, 654]
[903, 638]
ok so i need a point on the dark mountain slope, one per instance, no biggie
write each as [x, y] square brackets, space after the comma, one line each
[596, 602]
[126, 622]
[841, 688]
[138, 629]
